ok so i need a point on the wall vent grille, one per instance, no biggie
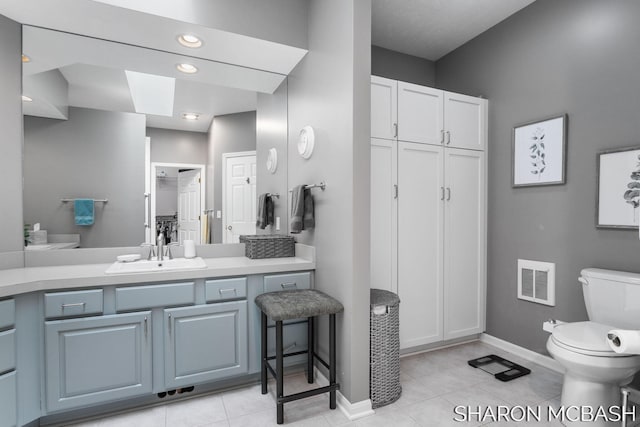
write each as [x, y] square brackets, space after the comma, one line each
[537, 281]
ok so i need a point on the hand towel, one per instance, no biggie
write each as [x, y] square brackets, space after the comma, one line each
[297, 209]
[84, 211]
[309, 220]
[265, 211]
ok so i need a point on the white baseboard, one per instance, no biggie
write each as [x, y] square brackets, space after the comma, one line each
[525, 353]
[353, 411]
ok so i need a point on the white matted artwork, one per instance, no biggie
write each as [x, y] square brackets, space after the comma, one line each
[539, 152]
[619, 188]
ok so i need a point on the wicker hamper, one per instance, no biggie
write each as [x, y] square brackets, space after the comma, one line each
[384, 370]
[268, 246]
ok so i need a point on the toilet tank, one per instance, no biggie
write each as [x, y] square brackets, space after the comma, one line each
[612, 297]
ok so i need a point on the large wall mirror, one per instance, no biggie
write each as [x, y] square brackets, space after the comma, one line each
[159, 141]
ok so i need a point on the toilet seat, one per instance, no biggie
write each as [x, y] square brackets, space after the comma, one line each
[588, 338]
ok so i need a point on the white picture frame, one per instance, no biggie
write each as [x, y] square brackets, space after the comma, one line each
[618, 196]
[539, 152]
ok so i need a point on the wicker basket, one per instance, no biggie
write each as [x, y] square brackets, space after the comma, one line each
[268, 246]
[384, 384]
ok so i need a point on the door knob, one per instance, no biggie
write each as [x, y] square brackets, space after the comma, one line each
[248, 181]
[229, 227]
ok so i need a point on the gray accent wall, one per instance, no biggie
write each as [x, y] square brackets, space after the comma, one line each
[177, 146]
[400, 66]
[11, 145]
[330, 90]
[578, 57]
[95, 154]
[271, 132]
[229, 134]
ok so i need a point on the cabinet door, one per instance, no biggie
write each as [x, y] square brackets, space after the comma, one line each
[384, 101]
[465, 243]
[384, 215]
[465, 121]
[205, 343]
[98, 359]
[420, 114]
[420, 234]
[8, 402]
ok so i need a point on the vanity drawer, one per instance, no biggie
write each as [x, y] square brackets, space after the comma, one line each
[73, 303]
[7, 313]
[282, 282]
[165, 295]
[225, 289]
[7, 350]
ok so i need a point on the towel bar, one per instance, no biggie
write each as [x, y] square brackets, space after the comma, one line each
[322, 186]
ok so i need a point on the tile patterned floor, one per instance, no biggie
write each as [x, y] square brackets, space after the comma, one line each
[433, 384]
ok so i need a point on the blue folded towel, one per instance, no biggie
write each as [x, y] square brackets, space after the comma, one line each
[83, 211]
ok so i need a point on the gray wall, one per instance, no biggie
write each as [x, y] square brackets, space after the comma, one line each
[95, 154]
[575, 56]
[400, 66]
[176, 146]
[11, 146]
[271, 132]
[229, 133]
[330, 90]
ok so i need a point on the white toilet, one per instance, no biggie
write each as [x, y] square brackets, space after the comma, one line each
[594, 372]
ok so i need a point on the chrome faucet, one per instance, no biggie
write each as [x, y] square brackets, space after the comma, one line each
[160, 244]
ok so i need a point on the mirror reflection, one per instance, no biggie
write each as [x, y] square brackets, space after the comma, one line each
[161, 142]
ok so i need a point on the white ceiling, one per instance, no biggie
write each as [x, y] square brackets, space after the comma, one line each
[432, 28]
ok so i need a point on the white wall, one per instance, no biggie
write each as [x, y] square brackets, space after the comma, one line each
[329, 90]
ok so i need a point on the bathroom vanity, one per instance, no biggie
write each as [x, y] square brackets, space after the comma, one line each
[75, 342]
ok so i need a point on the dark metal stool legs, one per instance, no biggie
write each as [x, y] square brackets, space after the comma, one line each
[332, 360]
[263, 343]
[279, 372]
[311, 349]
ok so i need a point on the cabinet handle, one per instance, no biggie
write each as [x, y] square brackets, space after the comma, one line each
[395, 191]
[442, 136]
[448, 137]
[75, 304]
[221, 291]
[448, 194]
[291, 285]
[291, 347]
[442, 191]
[395, 130]
[169, 324]
[146, 321]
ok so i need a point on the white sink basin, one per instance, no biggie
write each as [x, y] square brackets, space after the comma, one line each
[146, 266]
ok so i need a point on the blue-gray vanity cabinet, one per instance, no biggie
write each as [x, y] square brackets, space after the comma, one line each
[8, 402]
[97, 359]
[205, 342]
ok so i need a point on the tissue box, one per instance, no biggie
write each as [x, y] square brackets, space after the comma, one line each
[268, 246]
[38, 237]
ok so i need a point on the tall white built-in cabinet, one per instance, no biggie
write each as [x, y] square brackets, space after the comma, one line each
[428, 208]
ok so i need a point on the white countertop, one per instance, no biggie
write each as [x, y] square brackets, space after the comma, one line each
[23, 280]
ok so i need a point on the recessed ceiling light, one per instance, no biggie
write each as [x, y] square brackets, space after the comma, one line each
[189, 40]
[187, 68]
[190, 116]
[25, 58]
[26, 98]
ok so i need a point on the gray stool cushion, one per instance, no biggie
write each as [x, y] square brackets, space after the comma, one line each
[296, 304]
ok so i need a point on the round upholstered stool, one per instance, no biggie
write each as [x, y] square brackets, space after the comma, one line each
[298, 304]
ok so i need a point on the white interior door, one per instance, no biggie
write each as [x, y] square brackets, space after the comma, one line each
[465, 243]
[189, 206]
[420, 114]
[420, 241]
[384, 215]
[239, 204]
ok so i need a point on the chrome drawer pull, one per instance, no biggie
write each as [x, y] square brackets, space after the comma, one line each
[288, 285]
[221, 291]
[75, 304]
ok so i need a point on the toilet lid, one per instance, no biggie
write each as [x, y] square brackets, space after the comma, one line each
[584, 337]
